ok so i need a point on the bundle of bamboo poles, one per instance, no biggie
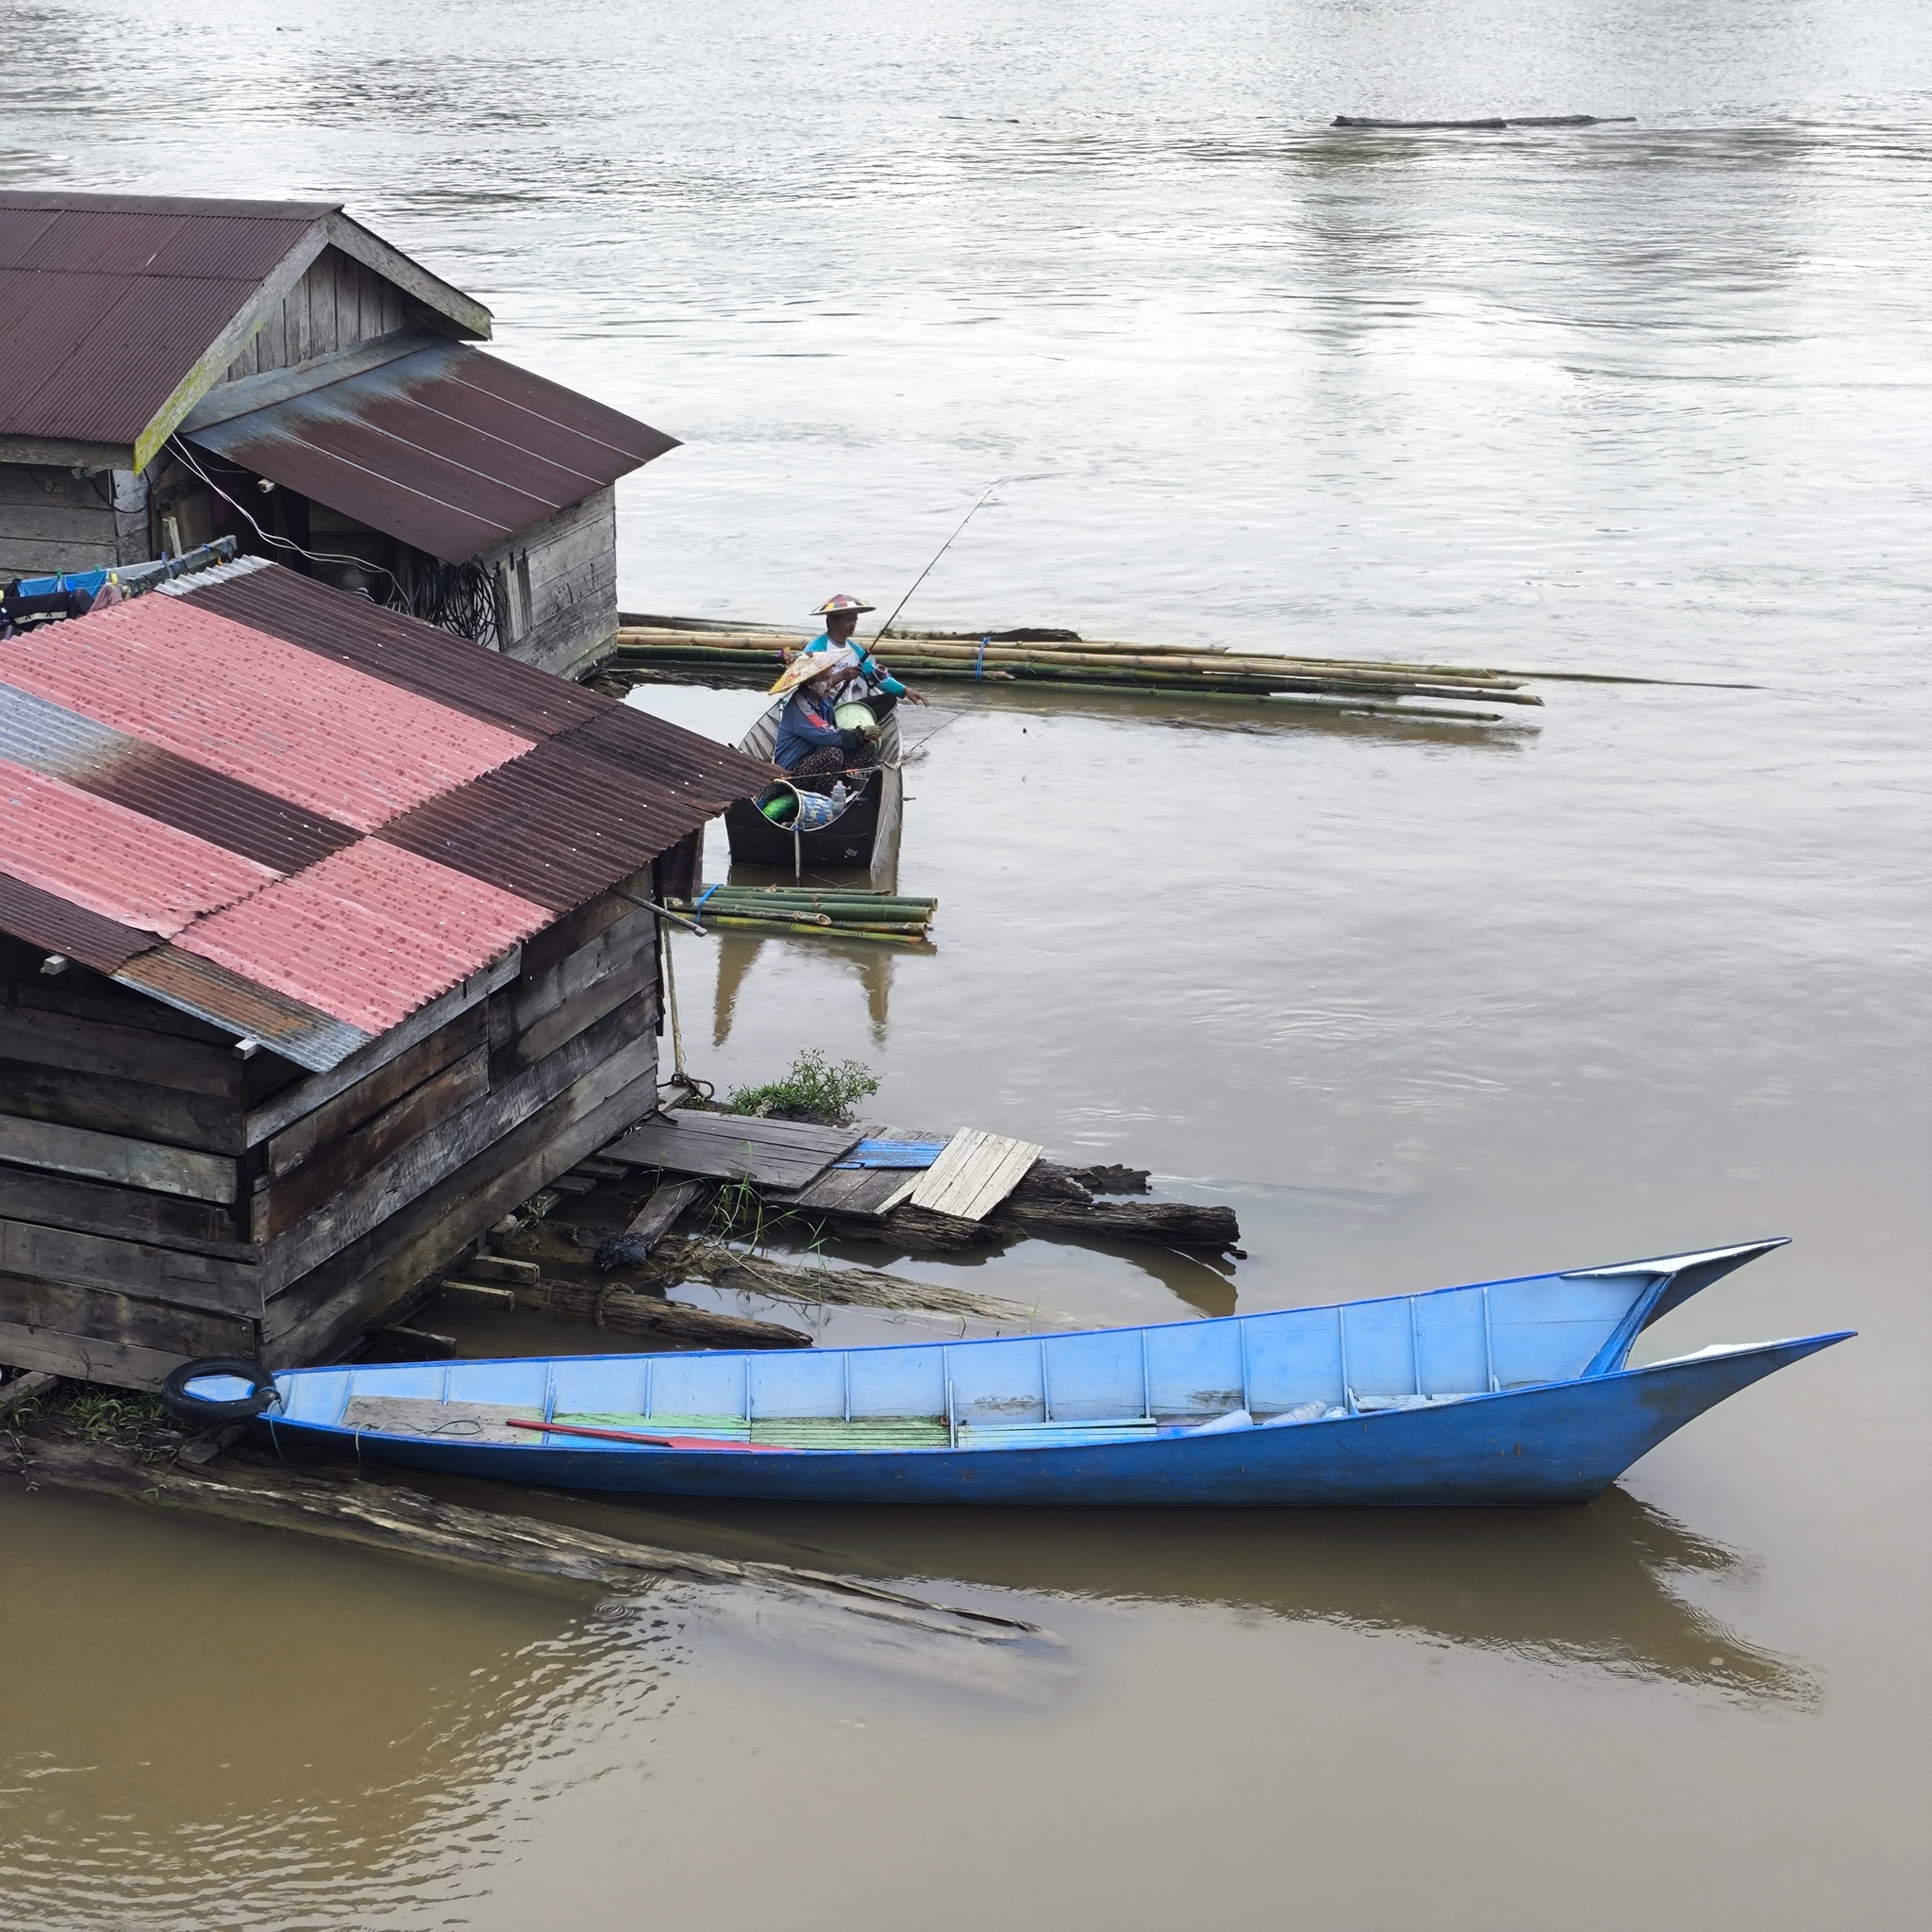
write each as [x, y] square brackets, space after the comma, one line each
[882, 919]
[1094, 666]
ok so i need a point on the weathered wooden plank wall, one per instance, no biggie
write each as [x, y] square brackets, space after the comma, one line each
[161, 1197]
[52, 520]
[557, 585]
[337, 303]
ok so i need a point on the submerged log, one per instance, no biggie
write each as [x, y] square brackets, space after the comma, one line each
[1166, 1224]
[633, 1297]
[1059, 1197]
[1514, 121]
[645, 1311]
[865, 1288]
[402, 1522]
[1110, 1180]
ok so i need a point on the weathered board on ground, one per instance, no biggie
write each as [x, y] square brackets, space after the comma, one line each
[976, 1173]
[852, 1190]
[735, 1146]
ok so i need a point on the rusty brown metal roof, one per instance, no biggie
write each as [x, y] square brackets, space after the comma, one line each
[130, 823]
[632, 744]
[108, 302]
[210, 992]
[445, 448]
[58, 925]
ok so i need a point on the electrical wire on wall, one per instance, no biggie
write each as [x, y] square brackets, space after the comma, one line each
[247, 515]
[454, 596]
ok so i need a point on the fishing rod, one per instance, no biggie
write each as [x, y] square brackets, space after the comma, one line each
[941, 552]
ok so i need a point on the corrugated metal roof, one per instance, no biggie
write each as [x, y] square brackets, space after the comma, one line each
[208, 991]
[237, 242]
[368, 935]
[163, 762]
[92, 357]
[697, 769]
[58, 199]
[447, 449]
[58, 925]
[400, 650]
[551, 826]
[111, 860]
[60, 743]
[340, 744]
[108, 302]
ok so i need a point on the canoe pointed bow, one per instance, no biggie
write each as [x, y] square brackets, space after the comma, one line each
[1679, 1391]
[1671, 1281]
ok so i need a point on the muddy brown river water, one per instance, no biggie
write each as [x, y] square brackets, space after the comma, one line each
[1424, 1005]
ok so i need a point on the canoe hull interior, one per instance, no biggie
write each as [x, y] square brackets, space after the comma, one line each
[1504, 1391]
[1563, 1443]
[864, 838]
[845, 845]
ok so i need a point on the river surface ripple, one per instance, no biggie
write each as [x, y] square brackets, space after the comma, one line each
[1647, 398]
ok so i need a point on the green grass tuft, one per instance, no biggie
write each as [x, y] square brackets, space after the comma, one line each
[813, 1090]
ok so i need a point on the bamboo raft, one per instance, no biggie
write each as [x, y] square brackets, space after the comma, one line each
[1383, 690]
[808, 912]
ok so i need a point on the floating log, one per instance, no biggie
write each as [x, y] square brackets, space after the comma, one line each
[1363, 679]
[1223, 675]
[1514, 121]
[1110, 1180]
[480, 1294]
[799, 930]
[810, 899]
[484, 1543]
[1054, 1197]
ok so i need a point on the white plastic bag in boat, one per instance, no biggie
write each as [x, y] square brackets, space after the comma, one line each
[1226, 1425]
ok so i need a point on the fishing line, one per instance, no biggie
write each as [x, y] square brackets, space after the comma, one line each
[941, 552]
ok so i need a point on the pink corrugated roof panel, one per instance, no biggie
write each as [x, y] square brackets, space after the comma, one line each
[368, 935]
[293, 723]
[114, 862]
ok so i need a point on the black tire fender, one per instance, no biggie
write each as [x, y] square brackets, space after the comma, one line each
[198, 1412]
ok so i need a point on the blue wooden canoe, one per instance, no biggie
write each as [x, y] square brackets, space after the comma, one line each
[1503, 1391]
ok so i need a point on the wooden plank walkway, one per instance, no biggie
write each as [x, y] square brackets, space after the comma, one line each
[853, 1191]
[735, 1146]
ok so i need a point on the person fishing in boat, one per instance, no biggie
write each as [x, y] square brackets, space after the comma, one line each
[873, 685]
[811, 744]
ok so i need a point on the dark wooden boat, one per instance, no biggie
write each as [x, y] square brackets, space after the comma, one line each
[864, 836]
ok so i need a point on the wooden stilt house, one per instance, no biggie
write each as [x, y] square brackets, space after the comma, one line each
[175, 370]
[324, 941]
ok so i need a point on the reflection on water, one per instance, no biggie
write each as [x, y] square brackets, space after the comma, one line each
[1599, 1587]
[341, 1739]
[869, 966]
[1651, 975]
[314, 1730]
